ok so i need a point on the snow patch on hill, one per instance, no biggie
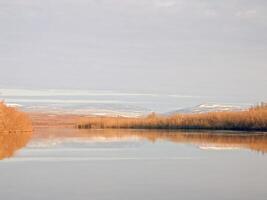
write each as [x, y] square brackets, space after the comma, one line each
[209, 107]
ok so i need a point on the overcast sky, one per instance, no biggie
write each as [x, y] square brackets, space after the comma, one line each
[196, 47]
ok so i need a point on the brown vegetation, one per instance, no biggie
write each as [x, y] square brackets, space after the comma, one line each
[13, 120]
[254, 119]
[15, 130]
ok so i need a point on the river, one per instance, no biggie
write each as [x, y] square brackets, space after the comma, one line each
[58, 163]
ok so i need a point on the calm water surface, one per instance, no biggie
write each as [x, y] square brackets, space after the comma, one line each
[130, 164]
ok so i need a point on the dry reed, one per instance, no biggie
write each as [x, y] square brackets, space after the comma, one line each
[15, 130]
[13, 120]
[254, 119]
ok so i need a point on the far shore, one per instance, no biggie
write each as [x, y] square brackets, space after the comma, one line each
[254, 119]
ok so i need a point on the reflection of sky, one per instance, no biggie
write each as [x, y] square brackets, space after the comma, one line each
[152, 171]
[70, 165]
[71, 144]
[128, 148]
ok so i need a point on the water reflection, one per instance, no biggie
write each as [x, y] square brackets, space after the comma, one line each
[113, 164]
[10, 142]
[205, 140]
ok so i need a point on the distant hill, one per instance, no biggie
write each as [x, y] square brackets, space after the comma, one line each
[209, 107]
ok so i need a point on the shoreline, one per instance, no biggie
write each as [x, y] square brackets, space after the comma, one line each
[96, 123]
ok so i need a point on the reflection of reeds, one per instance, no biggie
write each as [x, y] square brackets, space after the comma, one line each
[15, 130]
[255, 141]
[252, 119]
[10, 142]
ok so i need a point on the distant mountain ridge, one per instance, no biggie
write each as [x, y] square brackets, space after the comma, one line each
[209, 107]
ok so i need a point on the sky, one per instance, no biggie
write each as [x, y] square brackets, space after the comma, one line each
[190, 47]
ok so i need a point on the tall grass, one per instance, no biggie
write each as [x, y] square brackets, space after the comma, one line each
[253, 119]
[13, 120]
[15, 130]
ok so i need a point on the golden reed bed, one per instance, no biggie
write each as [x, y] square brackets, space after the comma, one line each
[15, 130]
[254, 119]
[13, 120]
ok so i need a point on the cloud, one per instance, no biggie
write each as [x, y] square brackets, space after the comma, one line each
[210, 12]
[246, 14]
[165, 4]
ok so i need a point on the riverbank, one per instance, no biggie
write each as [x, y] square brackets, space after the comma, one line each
[254, 119]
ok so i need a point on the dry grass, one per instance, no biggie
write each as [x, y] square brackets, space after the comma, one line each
[252, 119]
[13, 120]
[15, 130]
